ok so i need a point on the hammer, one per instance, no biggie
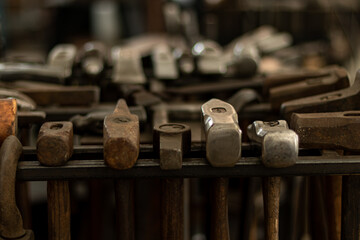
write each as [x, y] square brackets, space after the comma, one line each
[223, 149]
[54, 148]
[171, 142]
[279, 148]
[121, 150]
[335, 131]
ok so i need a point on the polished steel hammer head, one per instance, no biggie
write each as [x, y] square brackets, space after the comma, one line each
[223, 134]
[280, 145]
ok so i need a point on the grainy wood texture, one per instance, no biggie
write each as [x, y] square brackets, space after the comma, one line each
[59, 210]
[350, 217]
[124, 196]
[219, 210]
[333, 206]
[172, 209]
[54, 148]
[8, 118]
[11, 223]
[271, 195]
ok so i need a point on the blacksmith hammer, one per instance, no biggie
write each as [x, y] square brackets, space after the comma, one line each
[280, 147]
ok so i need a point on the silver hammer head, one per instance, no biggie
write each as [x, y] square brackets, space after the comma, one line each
[223, 134]
[279, 144]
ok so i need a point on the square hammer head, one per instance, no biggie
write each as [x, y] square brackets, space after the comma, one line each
[279, 144]
[223, 134]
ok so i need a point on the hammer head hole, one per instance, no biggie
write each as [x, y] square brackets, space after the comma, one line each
[272, 123]
[171, 127]
[56, 126]
[121, 120]
[218, 110]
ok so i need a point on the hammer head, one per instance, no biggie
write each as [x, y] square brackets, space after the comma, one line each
[223, 134]
[280, 145]
[121, 137]
[8, 118]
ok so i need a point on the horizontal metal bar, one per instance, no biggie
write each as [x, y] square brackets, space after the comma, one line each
[194, 166]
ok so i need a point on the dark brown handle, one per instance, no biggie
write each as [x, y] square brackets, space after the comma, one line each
[59, 210]
[172, 209]
[124, 197]
[219, 213]
[271, 195]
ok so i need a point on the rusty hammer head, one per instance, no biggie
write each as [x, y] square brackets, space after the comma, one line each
[223, 134]
[333, 130]
[341, 100]
[55, 143]
[8, 118]
[121, 137]
[280, 145]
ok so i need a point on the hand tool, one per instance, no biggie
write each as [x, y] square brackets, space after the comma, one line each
[341, 100]
[336, 79]
[127, 66]
[244, 61]
[93, 57]
[278, 79]
[223, 135]
[24, 102]
[121, 150]
[93, 122]
[63, 56]
[171, 142]
[15, 71]
[208, 56]
[242, 98]
[63, 95]
[336, 131]
[279, 144]
[55, 143]
[223, 149]
[54, 148]
[58, 68]
[279, 148]
[8, 118]
[11, 223]
[121, 137]
[164, 65]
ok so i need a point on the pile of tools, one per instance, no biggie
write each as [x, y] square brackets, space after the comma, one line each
[199, 112]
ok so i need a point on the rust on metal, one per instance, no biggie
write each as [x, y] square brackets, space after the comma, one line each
[55, 143]
[335, 80]
[341, 100]
[333, 130]
[121, 137]
[8, 118]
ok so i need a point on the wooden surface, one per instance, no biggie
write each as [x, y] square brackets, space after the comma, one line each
[219, 210]
[172, 209]
[59, 211]
[271, 195]
[350, 227]
[124, 197]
